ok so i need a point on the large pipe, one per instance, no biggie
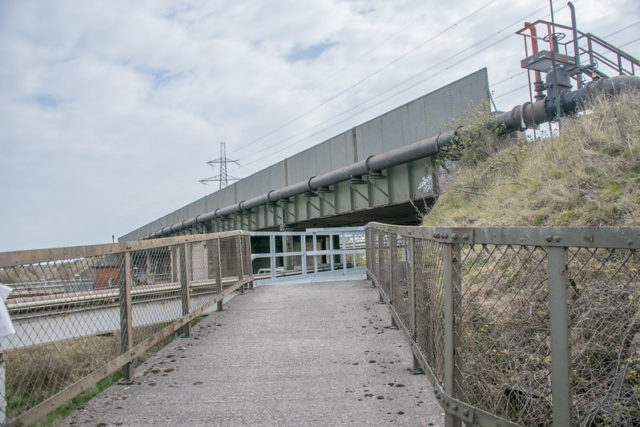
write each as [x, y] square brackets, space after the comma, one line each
[518, 118]
[529, 115]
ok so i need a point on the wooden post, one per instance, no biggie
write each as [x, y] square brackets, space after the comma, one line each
[185, 257]
[126, 320]
[247, 254]
[238, 241]
[219, 273]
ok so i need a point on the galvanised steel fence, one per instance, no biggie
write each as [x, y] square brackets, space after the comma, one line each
[82, 313]
[531, 326]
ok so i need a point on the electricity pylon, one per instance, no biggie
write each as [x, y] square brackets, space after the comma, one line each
[223, 177]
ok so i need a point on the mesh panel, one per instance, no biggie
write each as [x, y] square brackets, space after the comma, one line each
[504, 336]
[67, 311]
[50, 349]
[603, 295]
[400, 288]
[429, 279]
[385, 264]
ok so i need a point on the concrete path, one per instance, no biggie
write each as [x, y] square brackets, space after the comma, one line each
[303, 354]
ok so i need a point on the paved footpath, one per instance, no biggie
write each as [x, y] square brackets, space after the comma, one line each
[304, 354]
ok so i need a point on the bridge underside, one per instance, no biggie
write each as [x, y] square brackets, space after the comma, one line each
[408, 213]
[400, 197]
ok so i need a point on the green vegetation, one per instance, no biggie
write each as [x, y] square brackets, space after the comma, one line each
[588, 175]
[34, 374]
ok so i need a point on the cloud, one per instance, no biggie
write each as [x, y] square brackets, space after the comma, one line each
[110, 109]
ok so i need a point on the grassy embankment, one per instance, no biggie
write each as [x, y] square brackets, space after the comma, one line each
[588, 175]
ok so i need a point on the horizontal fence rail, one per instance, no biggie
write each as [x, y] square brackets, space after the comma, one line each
[82, 313]
[527, 326]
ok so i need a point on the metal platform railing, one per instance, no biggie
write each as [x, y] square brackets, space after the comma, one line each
[305, 253]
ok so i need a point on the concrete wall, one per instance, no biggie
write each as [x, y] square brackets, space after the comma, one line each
[416, 120]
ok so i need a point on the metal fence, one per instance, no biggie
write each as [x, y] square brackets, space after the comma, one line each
[82, 313]
[528, 326]
[277, 254]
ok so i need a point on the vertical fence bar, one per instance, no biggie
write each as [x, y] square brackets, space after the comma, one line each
[315, 257]
[343, 248]
[355, 254]
[331, 256]
[367, 247]
[272, 255]
[303, 249]
[185, 257]
[452, 289]
[126, 329]
[219, 273]
[560, 357]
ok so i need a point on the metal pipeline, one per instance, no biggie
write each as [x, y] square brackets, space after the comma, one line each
[530, 115]
[519, 118]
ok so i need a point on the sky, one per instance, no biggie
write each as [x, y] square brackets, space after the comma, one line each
[109, 110]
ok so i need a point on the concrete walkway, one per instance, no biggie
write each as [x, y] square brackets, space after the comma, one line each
[303, 354]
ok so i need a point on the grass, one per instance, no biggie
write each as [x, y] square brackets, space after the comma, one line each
[36, 373]
[588, 175]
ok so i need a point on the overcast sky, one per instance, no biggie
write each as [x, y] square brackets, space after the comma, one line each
[110, 109]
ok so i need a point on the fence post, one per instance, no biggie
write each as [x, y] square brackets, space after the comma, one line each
[411, 277]
[393, 271]
[219, 273]
[560, 356]
[247, 254]
[184, 256]
[452, 292]
[126, 329]
[238, 241]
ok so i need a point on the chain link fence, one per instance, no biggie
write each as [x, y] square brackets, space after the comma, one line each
[82, 313]
[529, 326]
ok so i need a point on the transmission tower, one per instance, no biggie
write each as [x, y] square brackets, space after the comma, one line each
[223, 177]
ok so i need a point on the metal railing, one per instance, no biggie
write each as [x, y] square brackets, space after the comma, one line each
[316, 250]
[527, 326]
[82, 313]
[597, 52]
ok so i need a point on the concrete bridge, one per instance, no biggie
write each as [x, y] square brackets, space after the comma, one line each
[341, 181]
